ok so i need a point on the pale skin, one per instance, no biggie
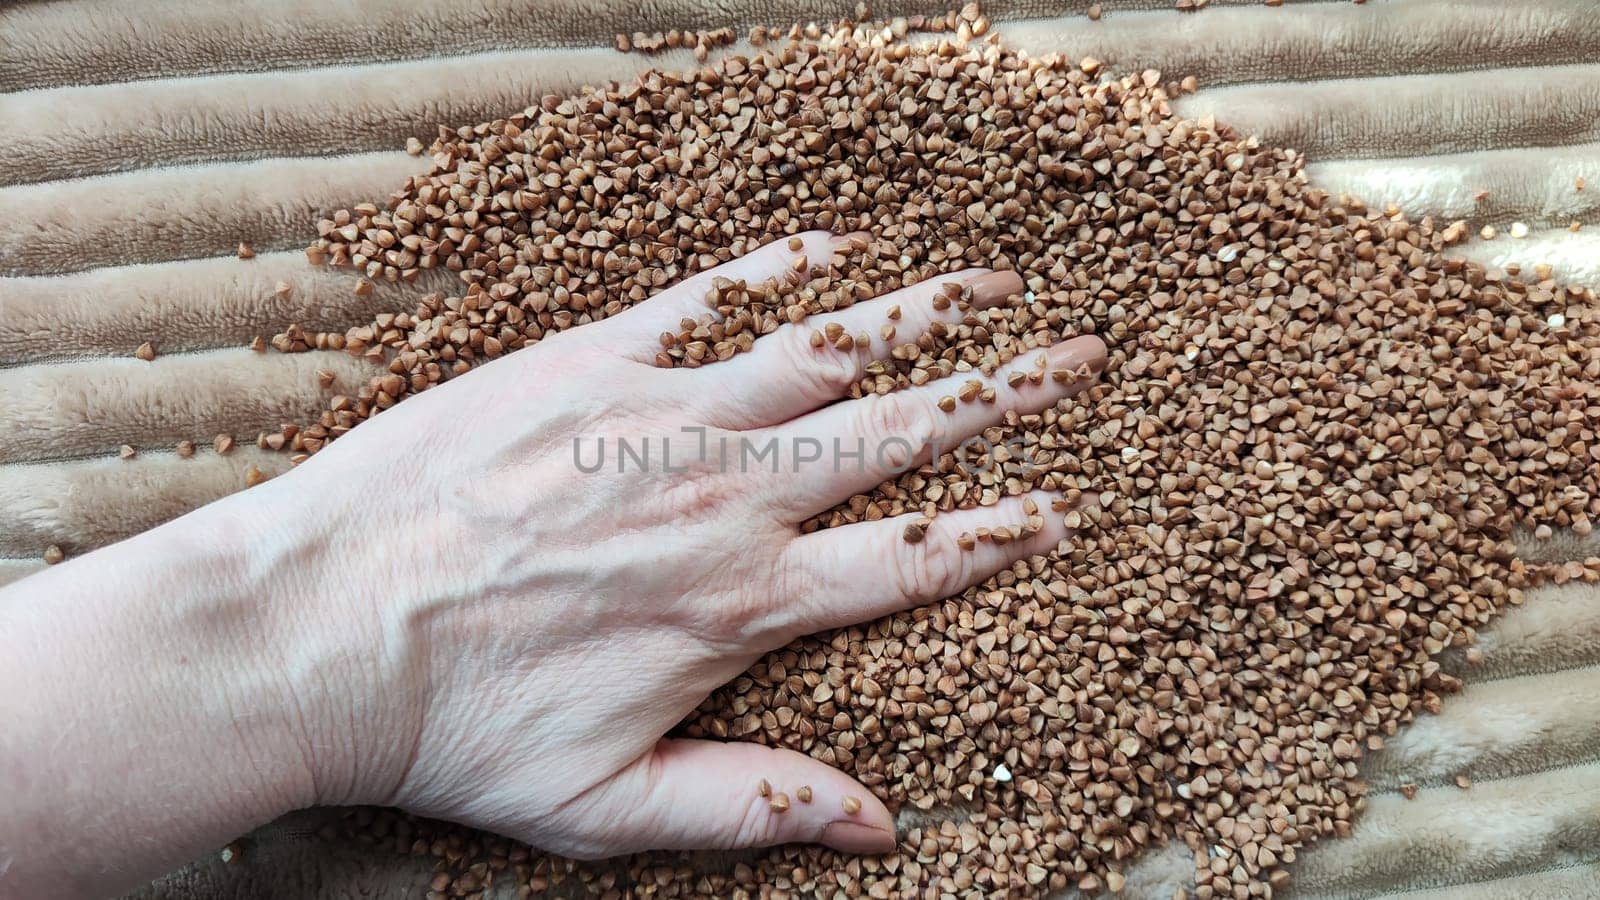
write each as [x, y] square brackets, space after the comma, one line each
[440, 612]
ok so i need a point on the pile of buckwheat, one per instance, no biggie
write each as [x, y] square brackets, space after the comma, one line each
[1314, 441]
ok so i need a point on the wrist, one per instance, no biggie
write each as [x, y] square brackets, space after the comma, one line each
[228, 610]
[346, 670]
[143, 696]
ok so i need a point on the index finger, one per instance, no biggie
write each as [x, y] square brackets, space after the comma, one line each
[636, 333]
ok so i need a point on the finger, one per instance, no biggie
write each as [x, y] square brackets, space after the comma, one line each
[696, 795]
[807, 365]
[832, 454]
[856, 573]
[636, 332]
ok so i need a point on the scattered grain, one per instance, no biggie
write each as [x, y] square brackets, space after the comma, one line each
[1329, 455]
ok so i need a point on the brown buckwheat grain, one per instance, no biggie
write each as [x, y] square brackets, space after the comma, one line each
[1294, 486]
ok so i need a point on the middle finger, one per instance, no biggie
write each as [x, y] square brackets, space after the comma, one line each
[842, 450]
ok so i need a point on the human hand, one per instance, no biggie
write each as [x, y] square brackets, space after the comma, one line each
[493, 636]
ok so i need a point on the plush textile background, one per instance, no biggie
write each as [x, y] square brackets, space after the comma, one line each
[144, 141]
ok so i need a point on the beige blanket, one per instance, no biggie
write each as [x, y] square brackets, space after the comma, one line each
[144, 141]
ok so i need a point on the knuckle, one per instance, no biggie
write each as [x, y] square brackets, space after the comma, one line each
[756, 827]
[933, 569]
[752, 616]
[695, 496]
[768, 612]
[898, 426]
[823, 375]
[743, 622]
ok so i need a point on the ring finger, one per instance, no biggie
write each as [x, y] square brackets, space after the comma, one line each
[859, 572]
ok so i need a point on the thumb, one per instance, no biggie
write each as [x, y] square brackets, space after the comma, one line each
[693, 794]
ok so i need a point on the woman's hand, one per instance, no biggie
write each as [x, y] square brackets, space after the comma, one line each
[468, 625]
[531, 630]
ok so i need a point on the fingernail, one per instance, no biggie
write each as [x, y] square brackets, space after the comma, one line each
[994, 288]
[854, 837]
[841, 241]
[1079, 352]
